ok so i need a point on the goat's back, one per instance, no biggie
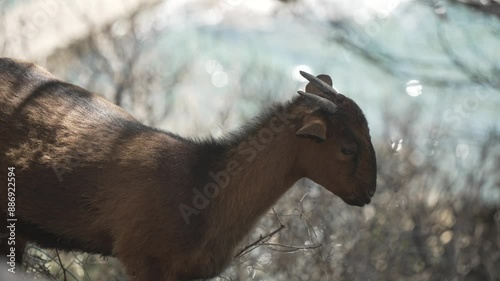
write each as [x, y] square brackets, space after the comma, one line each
[66, 145]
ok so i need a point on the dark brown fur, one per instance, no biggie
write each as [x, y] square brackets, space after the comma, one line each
[90, 177]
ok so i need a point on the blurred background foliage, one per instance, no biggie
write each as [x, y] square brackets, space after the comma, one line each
[426, 73]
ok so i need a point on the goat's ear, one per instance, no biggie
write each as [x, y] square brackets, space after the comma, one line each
[310, 88]
[314, 127]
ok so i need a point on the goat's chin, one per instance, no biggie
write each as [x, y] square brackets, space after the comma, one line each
[356, 200]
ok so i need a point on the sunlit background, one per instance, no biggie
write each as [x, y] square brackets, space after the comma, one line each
[426, 74]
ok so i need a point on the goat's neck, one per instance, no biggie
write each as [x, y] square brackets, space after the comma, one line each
[265, 169]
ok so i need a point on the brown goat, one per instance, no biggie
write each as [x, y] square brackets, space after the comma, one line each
[89, 177]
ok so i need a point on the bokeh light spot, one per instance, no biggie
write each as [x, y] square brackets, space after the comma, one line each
[219, 79]
[414, 88]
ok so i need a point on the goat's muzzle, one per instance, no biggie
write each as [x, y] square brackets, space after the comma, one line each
[361, 196]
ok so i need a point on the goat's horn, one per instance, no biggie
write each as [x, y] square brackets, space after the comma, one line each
[325, 104]
[319, 83]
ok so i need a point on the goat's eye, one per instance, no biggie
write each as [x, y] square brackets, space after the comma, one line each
[347, 151]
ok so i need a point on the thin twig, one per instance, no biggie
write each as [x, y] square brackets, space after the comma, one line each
[277, 217]
[292, 249]
[62, 266]
[259, 242]
[51, 258]
[307, 223]
[81, 264]
[262, 239]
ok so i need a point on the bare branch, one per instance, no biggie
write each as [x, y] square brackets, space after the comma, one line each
[259, 242]
[61, 265]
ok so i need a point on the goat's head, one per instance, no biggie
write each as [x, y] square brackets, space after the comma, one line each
[338, 154]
